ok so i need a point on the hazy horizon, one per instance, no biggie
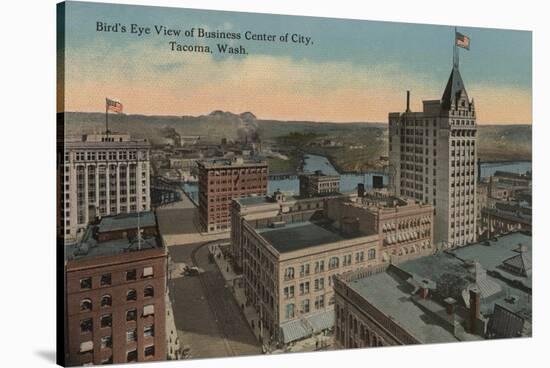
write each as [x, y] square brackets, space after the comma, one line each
[265, 118]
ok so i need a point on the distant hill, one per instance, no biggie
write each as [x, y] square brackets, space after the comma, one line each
[496, 142]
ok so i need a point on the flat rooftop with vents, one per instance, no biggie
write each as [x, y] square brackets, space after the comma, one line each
[290, 237]
[116, 235]
[500, 270]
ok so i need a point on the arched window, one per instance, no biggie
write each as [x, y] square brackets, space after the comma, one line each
[85, 305]
[149, 291]
[86, 325]
[131, 315]
[131, 295]
[106, 300]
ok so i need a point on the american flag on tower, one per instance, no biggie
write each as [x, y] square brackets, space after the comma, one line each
[462, 40]
[113, 105]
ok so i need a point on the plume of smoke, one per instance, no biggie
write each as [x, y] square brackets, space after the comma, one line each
[248, 131]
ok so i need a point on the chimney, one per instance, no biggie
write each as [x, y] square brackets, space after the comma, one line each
[360, 190]
[408, 101]
[450, 305]
[424, 292]
[475, 301]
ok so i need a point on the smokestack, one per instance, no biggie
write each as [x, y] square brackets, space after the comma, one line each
[408, 101]
[450, 305]
[475, 301]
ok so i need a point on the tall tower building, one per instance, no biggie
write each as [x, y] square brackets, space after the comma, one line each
[100, 175]
[433, 157]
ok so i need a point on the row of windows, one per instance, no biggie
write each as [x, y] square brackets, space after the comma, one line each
[106, 342]
[107, 300]
[334, 262]
[319, 284]
[106, 320]
[290, 309]
[237, 171]
[106, 155]
[106, 279]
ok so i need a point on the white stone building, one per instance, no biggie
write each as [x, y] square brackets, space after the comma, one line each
[433, 157]
[100, 175]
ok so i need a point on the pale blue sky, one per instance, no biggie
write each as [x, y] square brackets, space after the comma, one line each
[498, 59]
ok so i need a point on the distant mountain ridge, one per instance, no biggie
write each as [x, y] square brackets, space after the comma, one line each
[496, 142]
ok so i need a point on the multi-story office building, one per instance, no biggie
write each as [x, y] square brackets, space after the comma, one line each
[472, 293]
[262, 209]
[101, 175]
[318, 184]
[289, 248]
[405, 226]
[288, 267]
[115, 293]
[222, 180]
[433, 157]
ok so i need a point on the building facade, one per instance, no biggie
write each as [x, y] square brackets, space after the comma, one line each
[222, 180]
[289, 248]
[433, 157]
[318, 184]
[115, 299]
[287, 273]
[101, 175]
[405, 226]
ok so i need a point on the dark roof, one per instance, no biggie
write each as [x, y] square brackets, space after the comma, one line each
[127, 221]
[300, 235]
[455, 85]
[253, 200]
[91, 248]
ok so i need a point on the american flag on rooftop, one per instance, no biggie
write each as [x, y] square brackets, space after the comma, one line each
[462, 40]
[113, 105]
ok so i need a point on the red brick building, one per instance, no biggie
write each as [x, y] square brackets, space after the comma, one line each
[115, 300]
[222, 180]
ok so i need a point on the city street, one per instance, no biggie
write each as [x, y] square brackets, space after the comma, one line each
[208, 320]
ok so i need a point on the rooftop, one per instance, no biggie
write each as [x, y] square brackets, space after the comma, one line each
[392, 295]
[492, 256]
[300, 235]
[232, 162]
[253, 200]
[89, 247]
[126, 221]
[453, 274]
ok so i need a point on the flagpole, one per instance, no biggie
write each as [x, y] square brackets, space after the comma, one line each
[455, 51]
[106, 118]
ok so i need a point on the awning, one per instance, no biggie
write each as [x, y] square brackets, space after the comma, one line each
[148, 310]
[321, 321]
[294, 330]
[147, 271]
[86, 346]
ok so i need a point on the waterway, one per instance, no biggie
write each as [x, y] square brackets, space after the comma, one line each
[348, 182]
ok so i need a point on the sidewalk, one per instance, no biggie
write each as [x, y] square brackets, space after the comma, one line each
[313, 343]
[232, 281]
[173, 342]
